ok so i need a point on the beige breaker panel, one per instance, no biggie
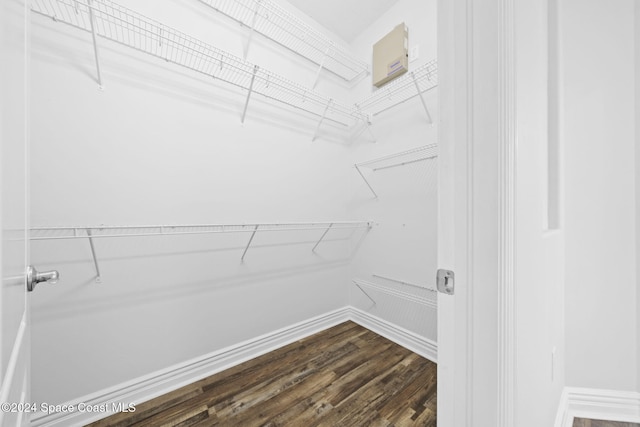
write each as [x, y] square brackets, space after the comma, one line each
[391, 55]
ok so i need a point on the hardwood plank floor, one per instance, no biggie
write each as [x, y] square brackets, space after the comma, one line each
[582, 422]
[343, 376]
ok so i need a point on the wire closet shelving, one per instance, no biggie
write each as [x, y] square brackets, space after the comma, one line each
[421, 295]
[108, 20]
[411, 84]
[281, 26]
[419, 154]
[104, 231]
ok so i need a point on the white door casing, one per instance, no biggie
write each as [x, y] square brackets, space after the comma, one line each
[476, 224]
[14, 303]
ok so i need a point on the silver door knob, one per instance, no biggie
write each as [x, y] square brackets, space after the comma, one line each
[33, 277]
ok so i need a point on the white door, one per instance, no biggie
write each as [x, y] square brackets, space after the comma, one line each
[14, 301]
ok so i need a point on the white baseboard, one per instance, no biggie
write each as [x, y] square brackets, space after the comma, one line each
[597, 404]
[407, 339]
[172, 378]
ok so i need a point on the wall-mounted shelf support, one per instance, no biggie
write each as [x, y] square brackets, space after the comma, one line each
[322, 237]
[324, 114]
[366, 181]
[95, 42]
[255, 230]
[320, 67]
[93, 254]
[366, 118]
[253, 28]
[246, 102]
[359, 286]
[403, 158]
[424, 104]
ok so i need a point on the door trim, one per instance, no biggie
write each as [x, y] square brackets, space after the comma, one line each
[469, 59]
[507, 217]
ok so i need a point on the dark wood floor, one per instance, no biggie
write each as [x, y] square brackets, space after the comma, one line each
[582, 422]
[343, 376]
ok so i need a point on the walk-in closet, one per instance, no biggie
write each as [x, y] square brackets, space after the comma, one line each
[216, 180]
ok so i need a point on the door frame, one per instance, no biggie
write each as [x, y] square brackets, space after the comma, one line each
[15, 333]
[477, 215]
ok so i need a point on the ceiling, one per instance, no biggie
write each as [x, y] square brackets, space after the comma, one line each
[346, 18]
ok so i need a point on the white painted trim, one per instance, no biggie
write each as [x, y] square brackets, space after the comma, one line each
[164, 381]
[161, 382]
[14, 366]
[507, 121]
[596, 404]
[407, 339]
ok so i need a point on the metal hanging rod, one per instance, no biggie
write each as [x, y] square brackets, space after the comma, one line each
[402, 158]
[110, 21]
[361, 284]
[272, 21]
[402, 89]
[109, 231]
[104, 231]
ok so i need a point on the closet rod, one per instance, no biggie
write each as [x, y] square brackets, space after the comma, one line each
[105, 231]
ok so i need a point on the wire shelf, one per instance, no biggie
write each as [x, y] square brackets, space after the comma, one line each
[402, 89]
[121, 25]
[272, 21]
[429, 300]
[107, 231]
[419, 154]
[90, 233]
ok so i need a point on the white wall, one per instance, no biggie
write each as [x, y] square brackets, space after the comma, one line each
[600, 215]
[161, 145]
[404, 244]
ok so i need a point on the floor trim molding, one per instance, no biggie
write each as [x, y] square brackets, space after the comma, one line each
[612, 405]
[158, 383]
[407, 339]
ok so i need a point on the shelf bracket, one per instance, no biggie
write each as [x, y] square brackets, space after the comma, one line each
[324, 114]
[253, 28]
[315, 81]
[249, 242]
[424, 104]
[322, 237]
[246, 103]
[367, 122]
[93, 254]
[95, 43]
[366, 293]
[366, 182]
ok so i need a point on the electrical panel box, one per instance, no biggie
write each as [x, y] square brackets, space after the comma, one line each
[391, 55]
